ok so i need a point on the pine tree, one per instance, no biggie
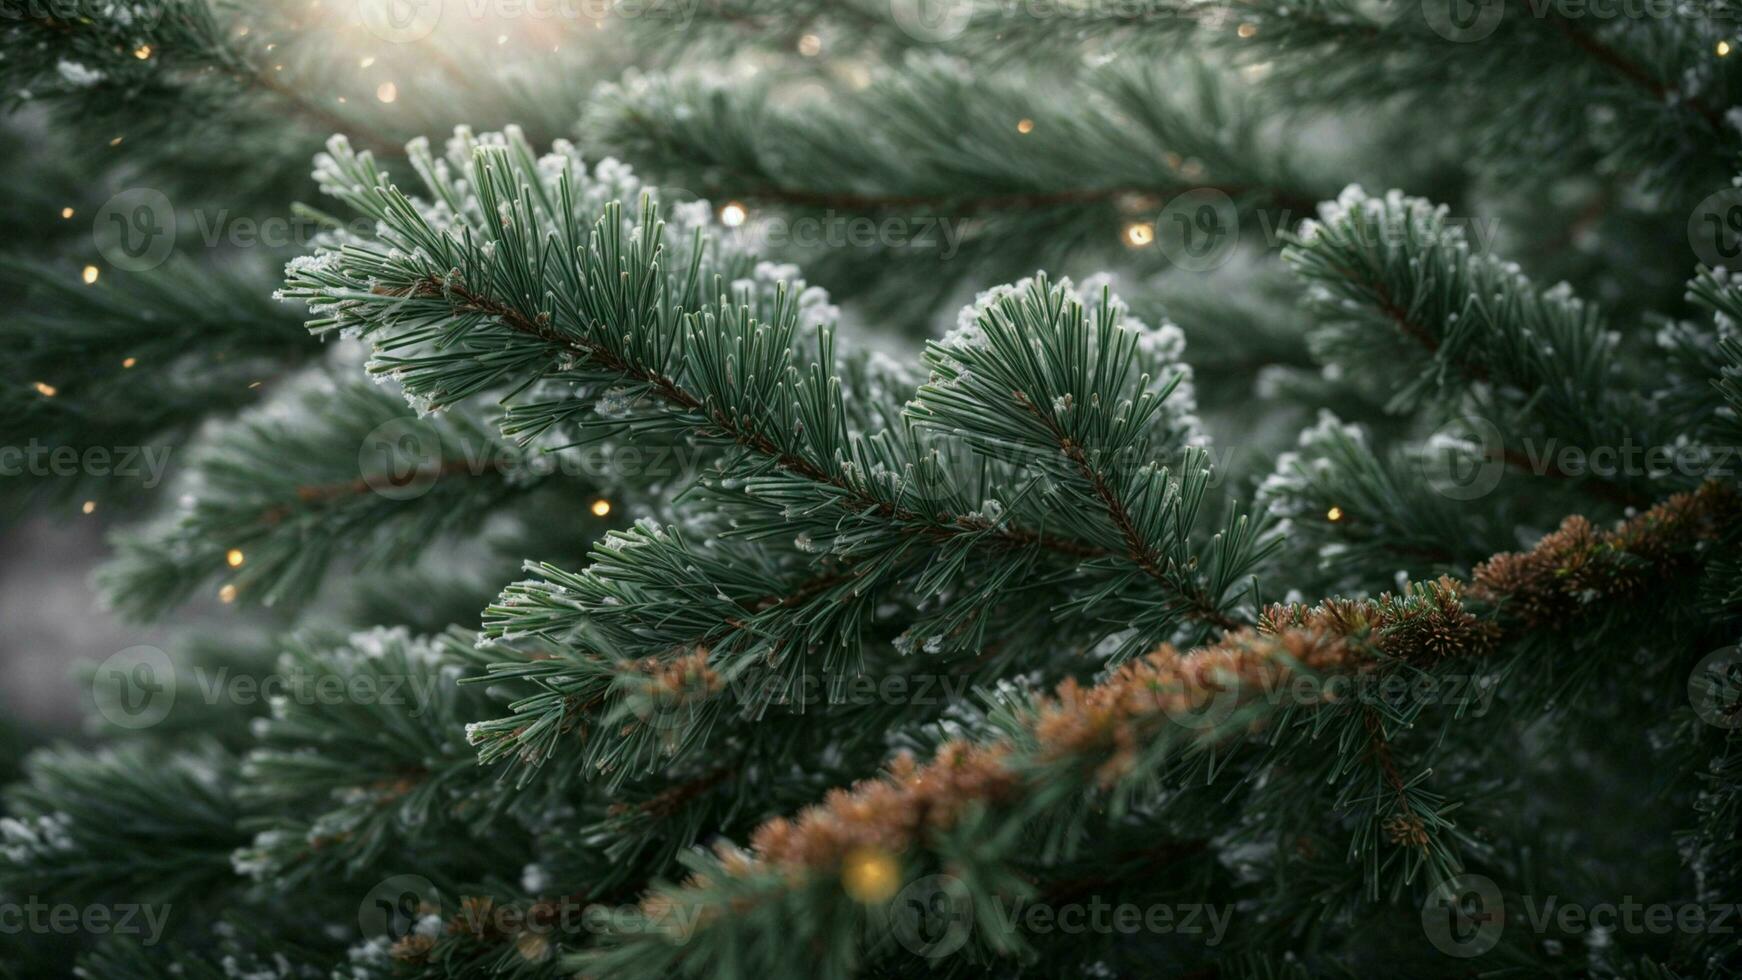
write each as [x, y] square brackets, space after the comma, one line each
[767, 488]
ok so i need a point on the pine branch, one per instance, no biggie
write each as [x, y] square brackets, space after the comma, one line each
[532, 299]
[1629, 69]
[1062, 190]
[1102, 416]
[761, 152]
[328, 471]
[1656, 72]
[121, 823]
[340, 785]
[1395, 275]
[707, 420]
[121, 371]
[1357, 515]
[1121, 731]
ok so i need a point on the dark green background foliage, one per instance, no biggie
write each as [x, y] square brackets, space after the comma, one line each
[650, 419]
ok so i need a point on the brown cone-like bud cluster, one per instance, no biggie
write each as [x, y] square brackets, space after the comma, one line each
[1578, 565]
